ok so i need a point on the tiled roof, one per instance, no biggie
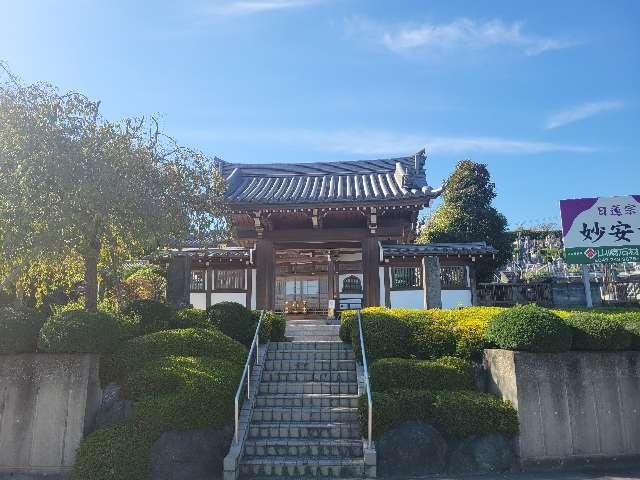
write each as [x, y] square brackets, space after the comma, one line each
[204, 252]
[475, 248]
[328, 182]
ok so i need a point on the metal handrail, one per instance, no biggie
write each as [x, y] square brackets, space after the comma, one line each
[246, 373]
[366, 380]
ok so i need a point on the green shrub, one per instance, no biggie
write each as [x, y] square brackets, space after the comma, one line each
[446, 373]
[192, 318]
[18, 329]
[114, 453]
[76, 331]
[154, 315]
[273, 326]
[455, 414]
[385, 335]
[182, 393]
[189, 342]
[529, 328]
[430, 338]
[234, 320]
[175, 373]
[347, 321]
[186, 410]
[593, 331]
[631, 323]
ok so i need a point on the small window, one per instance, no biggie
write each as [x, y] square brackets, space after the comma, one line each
[352, 284]
[406, 278]
[454, 277]
[197, 280]
[228, 280]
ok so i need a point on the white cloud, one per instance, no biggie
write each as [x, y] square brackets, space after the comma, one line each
[581, 112]
[373, 142]
[460, 34]
[246, 7]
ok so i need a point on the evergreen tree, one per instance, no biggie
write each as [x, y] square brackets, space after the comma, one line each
[466, 215]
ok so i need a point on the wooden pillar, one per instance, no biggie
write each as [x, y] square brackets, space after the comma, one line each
[331, 278]
[209, 289]
[249, 274]
[179, 281]
[473, 286]
[431, 283]
[371, 275]
[387, 286]
[265, 274]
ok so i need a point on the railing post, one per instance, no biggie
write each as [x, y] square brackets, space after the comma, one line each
[366, 381]
[246, 375]
[237, 420]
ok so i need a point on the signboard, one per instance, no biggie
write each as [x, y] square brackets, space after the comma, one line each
[601, 230]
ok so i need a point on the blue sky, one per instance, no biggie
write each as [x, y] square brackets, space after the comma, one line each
[546, 93]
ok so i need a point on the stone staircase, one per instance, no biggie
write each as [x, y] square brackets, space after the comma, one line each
[304, 422]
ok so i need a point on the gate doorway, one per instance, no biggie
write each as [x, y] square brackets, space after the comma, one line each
[302, 295]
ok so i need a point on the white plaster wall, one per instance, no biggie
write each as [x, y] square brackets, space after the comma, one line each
[253, 289]
[240, 297]
[455, 298]
[350, 257]
[382, 290]
[199, 300]
[407, 299]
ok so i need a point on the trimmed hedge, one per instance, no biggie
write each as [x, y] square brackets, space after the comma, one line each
[593, 331]
[190, 342]
[631, 323]
[182, 393]
[385, 335]
[114, 453]
[79, 331]
[455, 414]
[18, 329]
[433, 333]
[192, 318]
[529, 328]
[154, 316]
[446, 373]
[347, 322]
[234, 320]
[273, 326]
[174, 373]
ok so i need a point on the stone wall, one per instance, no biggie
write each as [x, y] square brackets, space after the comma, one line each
[48, 403]
[574, 408]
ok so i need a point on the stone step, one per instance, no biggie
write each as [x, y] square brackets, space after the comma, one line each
[306, 467]
[312, 338]
[307, 400]
[275, 430]
[304, 414]
[298, 376]
[312, 321]
[310, 355]
[308, 387]
[287, 346]
[302, 365]
[297, 447]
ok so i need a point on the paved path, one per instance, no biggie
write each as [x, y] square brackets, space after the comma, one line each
[626, 474]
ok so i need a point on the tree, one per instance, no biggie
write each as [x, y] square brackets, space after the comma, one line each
[466, 215]
[74, 182]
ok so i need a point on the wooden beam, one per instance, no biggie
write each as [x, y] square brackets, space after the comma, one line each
[265, 274]
[371, 275]
[387, 286]
[249, 273]
[209, 287]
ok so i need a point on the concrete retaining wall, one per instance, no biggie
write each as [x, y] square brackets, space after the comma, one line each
[48, 403]
[574, 408]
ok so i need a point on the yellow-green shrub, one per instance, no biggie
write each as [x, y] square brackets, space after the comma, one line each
[446, 373]
[456, 414]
